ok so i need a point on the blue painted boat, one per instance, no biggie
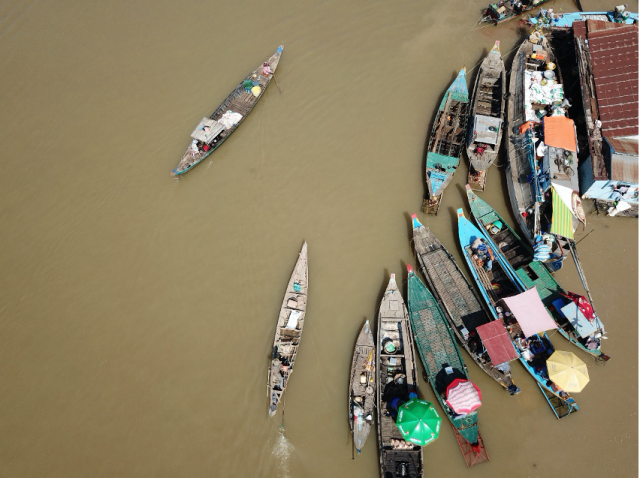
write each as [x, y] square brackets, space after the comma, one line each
[442, 362]
[212, 131]
[447, 141]
[548, 20]
[572, 323]
[501, 282]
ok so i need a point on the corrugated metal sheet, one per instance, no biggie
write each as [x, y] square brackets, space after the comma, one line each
[625, 146]
[613, 51]
[624, 168]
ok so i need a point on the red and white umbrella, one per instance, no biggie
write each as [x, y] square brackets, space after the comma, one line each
[463, 396]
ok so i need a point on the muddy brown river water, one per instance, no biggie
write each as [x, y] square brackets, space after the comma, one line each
[137, 311]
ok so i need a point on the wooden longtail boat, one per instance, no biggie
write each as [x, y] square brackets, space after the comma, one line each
[500, 282]
[526, 186]
[212, 131]
[395, 376]
[458, 301]
[361, 387]
[487, 116]
[503, 11]
[443, 364]
[288, 332]
[446, 141]
[572, 323]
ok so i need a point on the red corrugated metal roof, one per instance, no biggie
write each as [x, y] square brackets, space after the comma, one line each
[613, 49]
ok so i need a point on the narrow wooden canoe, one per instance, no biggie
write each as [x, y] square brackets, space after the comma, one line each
[503, 11]
[362, 386]
[446, 142]
[572, 324]
[458, 301]
[502, 282]
[212, 131]
[442, 361]
[288, 332]
[487, 117]
[395, 369]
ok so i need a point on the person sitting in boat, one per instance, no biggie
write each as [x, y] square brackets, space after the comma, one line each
[266, 69]
[446, 376]
[396, 393]
[482, 253]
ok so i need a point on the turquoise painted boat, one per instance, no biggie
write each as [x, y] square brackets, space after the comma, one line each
[442, 361]
[447, 141]
[564, 21]
[501, 282]
[585, 333]
[211, 132]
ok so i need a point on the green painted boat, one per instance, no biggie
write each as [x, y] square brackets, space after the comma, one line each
[447, 140]
[442, 361]
[573, 325]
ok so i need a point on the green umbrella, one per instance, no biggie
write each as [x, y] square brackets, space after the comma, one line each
[418, 421]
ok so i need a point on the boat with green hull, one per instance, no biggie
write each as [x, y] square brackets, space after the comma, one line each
[442, 362]
[447, 141]
[497, 282]
[576, 320]
[212, 131]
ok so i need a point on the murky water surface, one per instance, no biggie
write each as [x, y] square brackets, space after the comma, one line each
[138, 311]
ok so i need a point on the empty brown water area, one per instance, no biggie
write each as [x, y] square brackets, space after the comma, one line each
[138, 311]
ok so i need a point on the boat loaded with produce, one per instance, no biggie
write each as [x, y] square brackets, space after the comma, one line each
[212, 131]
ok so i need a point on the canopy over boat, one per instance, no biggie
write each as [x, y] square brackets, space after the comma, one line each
[207, 130]
[496, 340]
[486, 129]
[559, 132]
[529, 311]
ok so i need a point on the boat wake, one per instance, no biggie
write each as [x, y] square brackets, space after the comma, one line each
[282, 451]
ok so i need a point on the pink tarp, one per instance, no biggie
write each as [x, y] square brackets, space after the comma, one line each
[530, 312]
[497, 342]
[463, 396]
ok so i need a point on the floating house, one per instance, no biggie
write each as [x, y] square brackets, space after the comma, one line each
[607, 56]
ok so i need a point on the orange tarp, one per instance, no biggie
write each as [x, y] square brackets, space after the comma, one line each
[559, 132]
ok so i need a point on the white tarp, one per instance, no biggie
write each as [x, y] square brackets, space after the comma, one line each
[486, 129]
[530, 312]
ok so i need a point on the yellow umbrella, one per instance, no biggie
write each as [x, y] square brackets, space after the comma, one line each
[567, 371]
